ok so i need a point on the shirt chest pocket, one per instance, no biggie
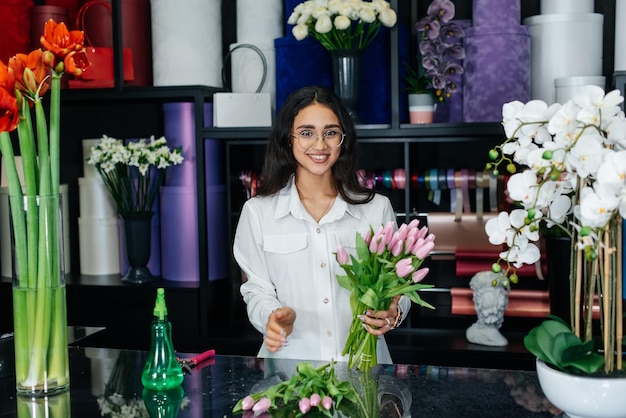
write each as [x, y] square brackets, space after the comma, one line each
[284, 244]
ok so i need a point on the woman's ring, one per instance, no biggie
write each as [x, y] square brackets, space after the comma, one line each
[388, 322]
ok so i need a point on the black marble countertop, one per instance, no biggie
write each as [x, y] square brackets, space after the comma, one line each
[213, 388]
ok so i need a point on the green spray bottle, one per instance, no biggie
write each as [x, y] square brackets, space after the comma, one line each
[162, 370]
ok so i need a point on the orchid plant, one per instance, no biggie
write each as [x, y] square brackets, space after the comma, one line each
[574, 180]
[440, 52]
[386, 264]
[133, 172]
[341, 24]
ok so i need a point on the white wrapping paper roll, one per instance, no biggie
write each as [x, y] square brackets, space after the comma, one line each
[566, 6]
[186, 42]
[99, 246]
[568, 87]
[563, 45]
[247, 69]
[259, 21]
[6, 259]
[94, 199]
[620, 35]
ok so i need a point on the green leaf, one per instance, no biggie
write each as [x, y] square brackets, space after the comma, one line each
[345, 282]
[370, 298]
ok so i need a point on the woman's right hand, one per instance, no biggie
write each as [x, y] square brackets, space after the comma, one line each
[279, 326]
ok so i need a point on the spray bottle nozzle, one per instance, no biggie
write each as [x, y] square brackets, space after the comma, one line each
[160, 309]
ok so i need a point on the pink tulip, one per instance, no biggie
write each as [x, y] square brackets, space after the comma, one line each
[397, 248]
[413, 233]
[247, 403]
[430, 237]
[327, 402]
[404, 267]
[419, 275]
[408, 244]
[402, 231]
[422, 232]
[315, 399]
[388, 231]
[262, 405]
[304, 405]
[425, 249]
[381, 247]
[368, 236]
[342, 255]
[414, 223]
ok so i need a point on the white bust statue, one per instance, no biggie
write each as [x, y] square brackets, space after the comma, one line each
[490, 303]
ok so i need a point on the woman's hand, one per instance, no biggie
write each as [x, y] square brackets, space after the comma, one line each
[381, 322]
[279, 326]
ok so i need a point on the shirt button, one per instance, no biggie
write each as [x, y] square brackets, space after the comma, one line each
[328, 333]
[325, 300]
[323, 265]
[318, 230]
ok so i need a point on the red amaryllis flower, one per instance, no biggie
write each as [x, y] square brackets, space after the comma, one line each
[60, 41]
[9, 115]
[30, 73]
[76, 63]
[7, 78]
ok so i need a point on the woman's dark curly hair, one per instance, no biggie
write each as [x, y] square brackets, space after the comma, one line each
[280, 163]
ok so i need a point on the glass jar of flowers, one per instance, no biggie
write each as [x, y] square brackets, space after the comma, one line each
[39, 306]
[132, 173]
[573, 163]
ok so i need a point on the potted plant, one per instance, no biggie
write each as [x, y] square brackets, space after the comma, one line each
[439, 57]
[572, 178]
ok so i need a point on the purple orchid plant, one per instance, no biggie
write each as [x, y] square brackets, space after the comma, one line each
[440, 52]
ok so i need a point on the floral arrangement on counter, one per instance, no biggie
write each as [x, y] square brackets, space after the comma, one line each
[310, 390]
[386, 265]
[341, 24]
[39, 317]
[133, 172]
[439, 55]
[573, 180]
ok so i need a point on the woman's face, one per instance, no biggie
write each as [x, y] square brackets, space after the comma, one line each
[316, 139]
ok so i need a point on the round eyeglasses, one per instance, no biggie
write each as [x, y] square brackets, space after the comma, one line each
[333, 138]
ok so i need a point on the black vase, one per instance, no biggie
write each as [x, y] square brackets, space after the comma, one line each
[137, 229]
[346, 72]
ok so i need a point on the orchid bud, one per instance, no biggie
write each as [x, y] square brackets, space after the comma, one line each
[419, 274]
[247, 403]
[327, 402]
[304, 405]
[423, 251]
[315, 399]
[342, 255]
[404, 267]
[262, 405]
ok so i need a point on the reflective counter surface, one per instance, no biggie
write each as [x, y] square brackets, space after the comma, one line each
[104, 380]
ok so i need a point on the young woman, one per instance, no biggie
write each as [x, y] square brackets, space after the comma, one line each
[308, 202]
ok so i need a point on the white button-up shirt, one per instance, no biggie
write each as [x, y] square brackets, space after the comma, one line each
[289, 260]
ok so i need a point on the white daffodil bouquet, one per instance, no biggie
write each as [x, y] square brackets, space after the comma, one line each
[574, 180]
[133, 172]
[341, 24]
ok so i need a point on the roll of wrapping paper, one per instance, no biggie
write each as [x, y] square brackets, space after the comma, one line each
[259, 21]
[99, 246]
[494, 13]
[497, 71]
[469, 263]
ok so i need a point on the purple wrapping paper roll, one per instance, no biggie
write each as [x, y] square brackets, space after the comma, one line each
[179, 129]
[179, 233]
[496, 13]
[497, 71]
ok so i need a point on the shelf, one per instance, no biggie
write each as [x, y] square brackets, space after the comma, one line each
[129, 93]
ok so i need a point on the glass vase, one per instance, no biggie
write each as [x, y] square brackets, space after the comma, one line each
[39, 303]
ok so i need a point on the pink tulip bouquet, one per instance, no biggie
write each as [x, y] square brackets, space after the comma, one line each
[386, 265]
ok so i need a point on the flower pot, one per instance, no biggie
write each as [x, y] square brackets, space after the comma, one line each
[421, 108]
[39, 305]
[583, 396]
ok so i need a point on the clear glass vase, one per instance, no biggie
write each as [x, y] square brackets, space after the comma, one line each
[39, 303]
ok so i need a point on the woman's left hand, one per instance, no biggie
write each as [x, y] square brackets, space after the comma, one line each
[381, 322]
